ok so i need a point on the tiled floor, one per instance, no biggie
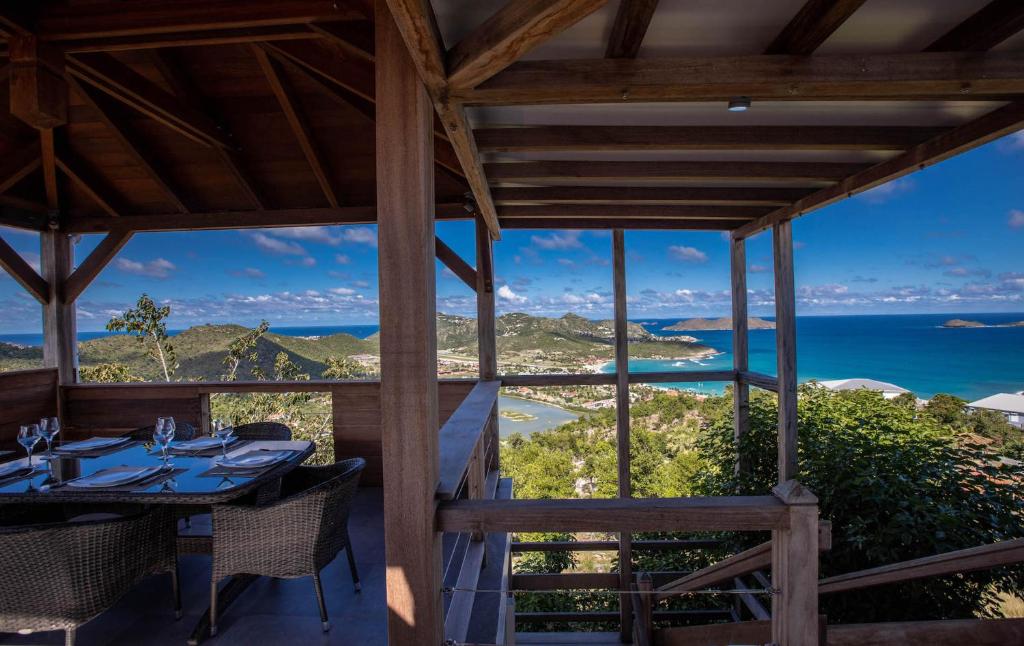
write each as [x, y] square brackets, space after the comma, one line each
[270, 612]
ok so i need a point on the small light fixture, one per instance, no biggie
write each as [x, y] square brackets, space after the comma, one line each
[739, 104]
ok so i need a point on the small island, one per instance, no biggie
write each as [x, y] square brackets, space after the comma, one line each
[724, 323]
[957, 323]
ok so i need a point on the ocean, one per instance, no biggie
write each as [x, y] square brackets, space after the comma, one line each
[912, 351]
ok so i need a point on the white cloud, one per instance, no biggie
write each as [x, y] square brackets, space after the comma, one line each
[887, 191]
[342, 259]
[156, 268]
[360, 235]
[505, 293]
[758, 269]
[275, 245]
[687, 254]
[341, 291]
[248, 272]
[560, 241]
[1012, 142]
[1016, 220]
[324, 235]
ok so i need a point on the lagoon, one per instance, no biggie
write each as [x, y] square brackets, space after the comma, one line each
[544, 416]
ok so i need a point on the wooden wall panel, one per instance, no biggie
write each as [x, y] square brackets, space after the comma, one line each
[111, 410]
[25, 396]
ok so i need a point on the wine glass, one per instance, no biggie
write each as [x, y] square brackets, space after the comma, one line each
[48, 429]
[223, 432]
[28, 435]
[163, 433]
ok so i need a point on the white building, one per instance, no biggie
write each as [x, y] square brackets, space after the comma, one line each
[1010, 405]
[889, 391]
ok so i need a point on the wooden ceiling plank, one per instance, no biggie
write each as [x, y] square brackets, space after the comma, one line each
[607, 138]
[138, 151]
[630, 27]
[996, 124]
[518, 27]
[418, 27]
[48, 155]
[452, 260]
[624, 212]
[300, 127]
[812, 25]
[687, 170]
[840, 77]
[92, 20]
[94, 263]
[23, 273]
[355, 37]
[19, 166]
[356, 76]
[16, 19]
[108, 74]
[989, 26]
[88, 181]
[191, 39]
[730, 196]
[674, 224]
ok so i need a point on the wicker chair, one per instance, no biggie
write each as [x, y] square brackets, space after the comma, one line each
[263, 431]
[58, 576]
[294, 537]
[182, 431]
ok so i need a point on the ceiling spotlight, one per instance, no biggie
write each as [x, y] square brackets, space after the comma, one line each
[739, 104]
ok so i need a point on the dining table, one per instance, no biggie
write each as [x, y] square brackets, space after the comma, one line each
[190, 480]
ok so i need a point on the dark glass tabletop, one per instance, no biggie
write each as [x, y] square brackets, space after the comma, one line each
[190, 482]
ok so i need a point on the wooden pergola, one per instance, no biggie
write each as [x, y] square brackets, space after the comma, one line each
[217, 114]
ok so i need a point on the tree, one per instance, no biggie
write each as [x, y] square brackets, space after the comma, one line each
[107, 373]
[344, 368]
[244, 348]
[148, 323]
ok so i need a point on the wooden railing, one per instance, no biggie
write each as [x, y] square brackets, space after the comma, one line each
[463, 440]
[608, 378]
[25, 396]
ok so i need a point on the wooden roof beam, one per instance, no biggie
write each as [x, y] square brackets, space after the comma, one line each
[110, 75]
[518, 27]
[19, 166]
[664, 195]
[23, 273]
[989, 26]
[91, 267]
[452, 260]
[812, 25]
[670, 170]
[630, 27]
[88, 181]
[840, 77]
[654, 224]
[606, 138]
[996, 124]
[418, 27]
[625, 212]
[48, 156]
[356, 37]
[191, 39]
[138, 151]
[286, 98]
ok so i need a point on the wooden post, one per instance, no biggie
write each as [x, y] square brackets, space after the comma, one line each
[622, 424]
[60, 344]
[785, 347]
[740, 347]
[408, 390]
[795, 569]
[644, 610]
[485, 326]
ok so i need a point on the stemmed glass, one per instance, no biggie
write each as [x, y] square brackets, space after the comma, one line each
[223, 432]
[163, 433]
[49, 427]
[28, 435]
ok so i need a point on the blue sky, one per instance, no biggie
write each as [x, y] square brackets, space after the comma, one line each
[946, 239]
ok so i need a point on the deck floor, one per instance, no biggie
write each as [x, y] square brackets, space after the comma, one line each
[270, 612]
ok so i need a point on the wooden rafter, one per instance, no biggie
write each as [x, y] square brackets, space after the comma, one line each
[644, 170]
[19, 166]
[23, 273]
[286, 98]
[452, 260]
[128, 86]
[88, 181]
[932, 76]
[518, 27]
[137, 150]
[740, 196]
[48, 155]
[185, 89]
[16, 19]
[991, 25]
[996, 124]
[190, 39]
[354, 75]
[355, 37]
[89, 268]
[627, 211]
[419, 30]
[590, 222]
[812, 25]
[630, 27]
[602, 138]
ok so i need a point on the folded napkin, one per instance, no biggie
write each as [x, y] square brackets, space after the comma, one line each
[15, 471]
[251, 460]
[93, 444]
[114, 477]
[199, 444]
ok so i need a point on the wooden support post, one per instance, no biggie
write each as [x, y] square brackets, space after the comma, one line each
[60, 345]
[740, 348]
[622, 423]
[785, 348]
[795, 569]
[485, 325]
[408, 390]
[644, 602]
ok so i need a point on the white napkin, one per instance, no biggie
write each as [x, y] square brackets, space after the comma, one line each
[114, 477]
[253, 459]
[200, 443]
[94, 443]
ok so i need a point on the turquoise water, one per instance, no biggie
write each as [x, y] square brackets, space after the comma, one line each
[546, 416]
[912, 351]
